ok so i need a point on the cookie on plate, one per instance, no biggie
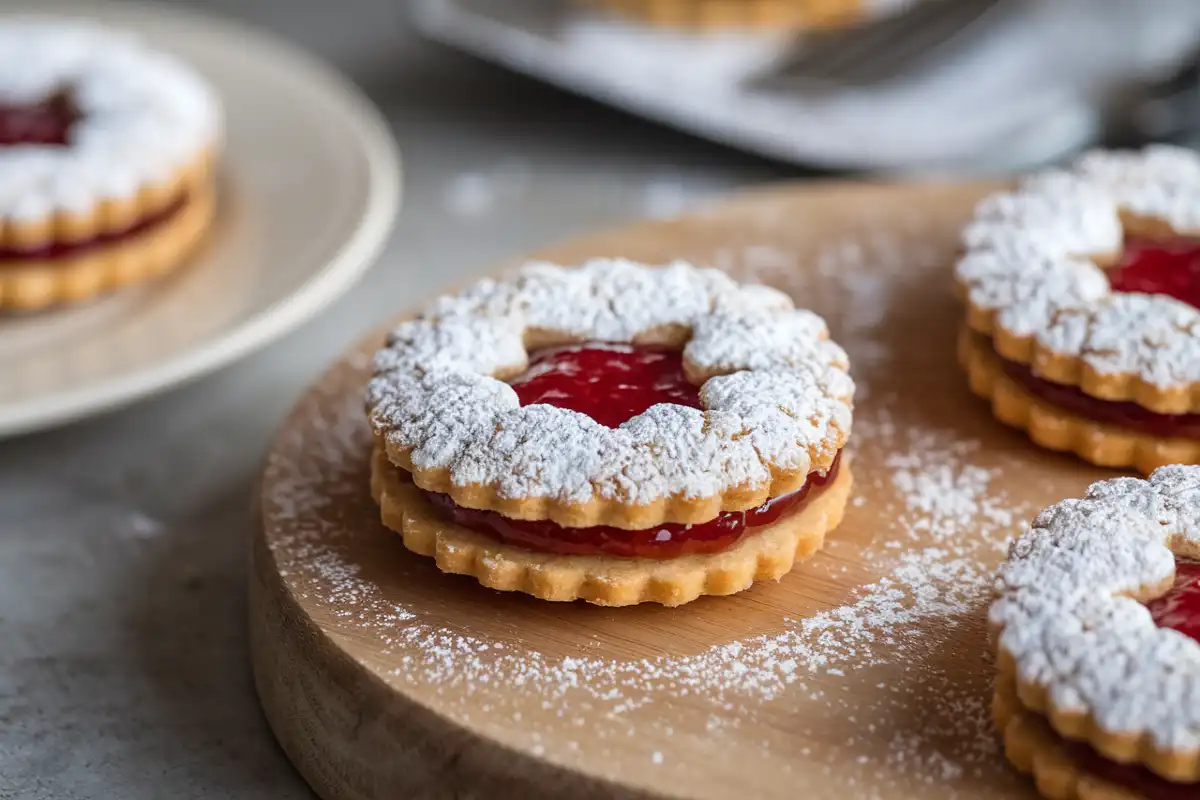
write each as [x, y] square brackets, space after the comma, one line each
[1082, 289]
[106, 161]
[1096, 629]
[615, 433]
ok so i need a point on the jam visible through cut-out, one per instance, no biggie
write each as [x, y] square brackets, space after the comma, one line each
[1111, 412]
[62, 250]
[670, 540]
[1151, 266]
[44, 123]
[48, 123]
[1160, 266]
[611, 383]
[1179, 608]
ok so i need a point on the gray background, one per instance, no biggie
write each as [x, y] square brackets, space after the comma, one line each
[123, 540]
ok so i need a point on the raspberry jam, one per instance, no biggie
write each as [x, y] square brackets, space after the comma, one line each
[611, 383]
[46, 123]
[1112, 412]
[64, 249]
[1148, 785]
[1158, 266]
[670, 540]
[1178, 609]
[1150, 266]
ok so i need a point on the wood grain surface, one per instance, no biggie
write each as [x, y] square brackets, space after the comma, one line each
[865, 673]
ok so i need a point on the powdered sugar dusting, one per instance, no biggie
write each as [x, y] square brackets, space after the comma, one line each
[784, 409]
[1027, 269]
[923, 580]
[934, 574]
[1070, 611]
[144, 115]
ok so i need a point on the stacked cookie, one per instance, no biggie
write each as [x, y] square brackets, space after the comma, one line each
[1096, 630]
[614, 433]
[106, 161]
[1082, 288]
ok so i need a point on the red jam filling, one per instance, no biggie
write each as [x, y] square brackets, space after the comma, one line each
[1149, 266]
[670, 540]
[1178, 609]
[1113, 412]
[609, 382]
[49, 123]
[612, 383]
[1148, 785]
[68, 249]
[45, 123]
[1160, 266]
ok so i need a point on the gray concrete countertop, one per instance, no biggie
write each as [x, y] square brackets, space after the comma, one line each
[123, 539]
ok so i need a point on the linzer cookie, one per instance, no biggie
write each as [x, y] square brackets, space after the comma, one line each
[718, 14]
[1082, 288]
[106, 156]
[1096, 627]
[615, 433]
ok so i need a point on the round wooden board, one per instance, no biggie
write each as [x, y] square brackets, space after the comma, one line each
[865, 673]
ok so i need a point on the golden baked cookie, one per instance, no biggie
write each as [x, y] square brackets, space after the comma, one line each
[1096, 629]
[607, 580]
[611, 416]
[1064, 770]
[106, 161]
[1086, 285]
[1044, 411]
[152, 248]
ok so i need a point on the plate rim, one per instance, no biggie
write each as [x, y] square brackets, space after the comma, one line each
[348, 263]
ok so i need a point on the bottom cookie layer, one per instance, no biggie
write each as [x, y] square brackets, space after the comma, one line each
[1061, 769]
[767, 554]
[717, 14]
[1056, 428]
[37, 284]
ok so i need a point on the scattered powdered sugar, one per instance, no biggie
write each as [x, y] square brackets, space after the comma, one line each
[138, 525]
[924, 576]
[936, 571]
[663, 195]
[944, 495]
[866, 264]
[481, 192]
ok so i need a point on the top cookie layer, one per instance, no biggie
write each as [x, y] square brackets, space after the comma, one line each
[143, 117]
[1073, 630]
[1033, 277]
[775, 396]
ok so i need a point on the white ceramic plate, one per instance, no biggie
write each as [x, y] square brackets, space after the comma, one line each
[1003, 100]
[310, 185]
